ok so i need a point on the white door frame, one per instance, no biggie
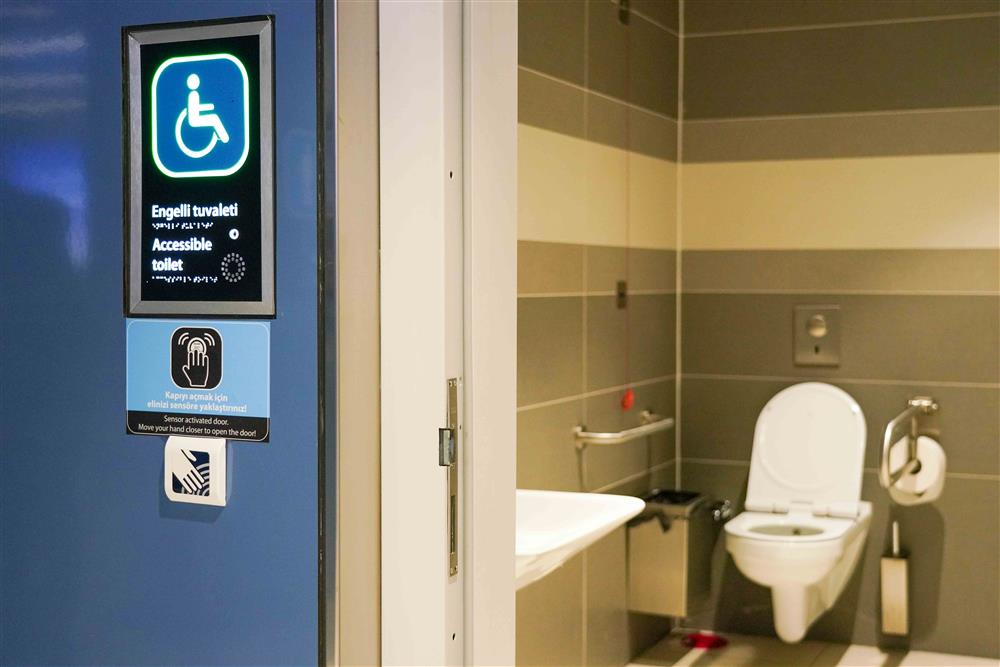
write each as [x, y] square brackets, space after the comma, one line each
[420, 45]
[490, 105]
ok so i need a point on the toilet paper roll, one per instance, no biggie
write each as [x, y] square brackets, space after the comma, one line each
[926, 484]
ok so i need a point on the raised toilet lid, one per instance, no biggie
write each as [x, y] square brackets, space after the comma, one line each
[808, 448]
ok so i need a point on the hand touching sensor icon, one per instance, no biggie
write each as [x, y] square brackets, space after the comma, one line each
[196, 358]
[196, 368]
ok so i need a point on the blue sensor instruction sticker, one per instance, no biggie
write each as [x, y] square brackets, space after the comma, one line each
[204, 379]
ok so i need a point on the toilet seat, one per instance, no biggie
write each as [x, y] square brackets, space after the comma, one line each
[749, 525]
[808, 452]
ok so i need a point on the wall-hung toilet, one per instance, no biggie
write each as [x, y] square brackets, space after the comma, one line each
[804, 523]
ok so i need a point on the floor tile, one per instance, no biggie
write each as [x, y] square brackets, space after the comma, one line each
[750, 651]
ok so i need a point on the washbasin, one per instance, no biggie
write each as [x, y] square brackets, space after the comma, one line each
[553, 526]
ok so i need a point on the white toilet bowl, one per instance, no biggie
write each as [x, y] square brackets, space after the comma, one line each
[805, 525]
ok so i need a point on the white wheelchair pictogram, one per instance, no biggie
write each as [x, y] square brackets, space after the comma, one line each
[196, 116]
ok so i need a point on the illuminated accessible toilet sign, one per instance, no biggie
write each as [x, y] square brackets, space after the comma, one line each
[200, 169]
[200, 116]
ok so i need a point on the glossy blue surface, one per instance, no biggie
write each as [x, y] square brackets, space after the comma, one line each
[96, 566]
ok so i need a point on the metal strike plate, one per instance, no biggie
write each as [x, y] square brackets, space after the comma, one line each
[817, 335]
[446, 446]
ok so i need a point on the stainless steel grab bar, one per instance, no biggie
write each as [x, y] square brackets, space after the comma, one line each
[918, 405]
[652, 423]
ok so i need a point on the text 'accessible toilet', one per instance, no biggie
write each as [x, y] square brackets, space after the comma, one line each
[804, 523]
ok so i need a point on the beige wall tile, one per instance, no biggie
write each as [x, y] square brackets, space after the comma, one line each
[631, 344]
[547, 457]
[652, 212]
[918, 338]
[550, 37]
[545, 268]
[550, 104]
[719, 15]
[642, 268]
[664, 12]
[555, 105]
[606, 265]
[911, 65]
[549, 350]
[929, 132]
[940, 201]
[635, 62]
[607, 618]
[549, 623]
[912, 270]
[607, 342]
[645, 631]
[615, 123]
[551, 177]
[652, 269]
[651, 335]
[575, 191]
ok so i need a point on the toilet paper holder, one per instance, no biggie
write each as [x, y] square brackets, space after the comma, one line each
[918, 406]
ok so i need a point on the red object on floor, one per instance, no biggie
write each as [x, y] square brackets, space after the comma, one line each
[706, 640]
[628, 400]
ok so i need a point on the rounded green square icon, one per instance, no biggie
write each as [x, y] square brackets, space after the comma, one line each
[200, 120]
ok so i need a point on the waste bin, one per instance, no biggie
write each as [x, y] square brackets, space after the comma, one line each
[670, 548]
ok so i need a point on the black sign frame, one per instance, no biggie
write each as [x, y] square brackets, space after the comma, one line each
[135, 152]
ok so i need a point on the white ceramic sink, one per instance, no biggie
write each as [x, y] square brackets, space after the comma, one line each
[552, 526]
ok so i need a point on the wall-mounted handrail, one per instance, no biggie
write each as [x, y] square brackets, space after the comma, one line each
[651, 423]
[918, 405]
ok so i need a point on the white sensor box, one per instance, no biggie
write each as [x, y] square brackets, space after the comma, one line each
[194, 470]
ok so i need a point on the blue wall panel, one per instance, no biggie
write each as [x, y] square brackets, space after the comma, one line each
[96, 566]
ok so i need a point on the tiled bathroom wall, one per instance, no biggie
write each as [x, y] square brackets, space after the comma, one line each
[596, 205]
[850, 158]
[831, 152]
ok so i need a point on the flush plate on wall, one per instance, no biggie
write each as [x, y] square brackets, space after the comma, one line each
[817, 335]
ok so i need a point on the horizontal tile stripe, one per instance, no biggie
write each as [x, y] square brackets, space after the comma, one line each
[553, 268]
[551, 37]
[729, 15]
[637, 62]
[868, 471]
[645, 292]
[636, 477]
[664, 13]
[840, 25]
[843, 271]
[900, 66]
[549, 349]
[645, 270]
[576, 191]
[628, 344]
[552, 104]
[838, 136]
[872, 381]
[946, 338]
[598, 392]
[720, 416]
[931, 201]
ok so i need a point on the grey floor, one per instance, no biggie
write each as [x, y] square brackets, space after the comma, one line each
[746, 651]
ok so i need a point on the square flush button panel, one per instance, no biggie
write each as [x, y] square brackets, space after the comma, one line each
[194, 470]
[817, 335]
